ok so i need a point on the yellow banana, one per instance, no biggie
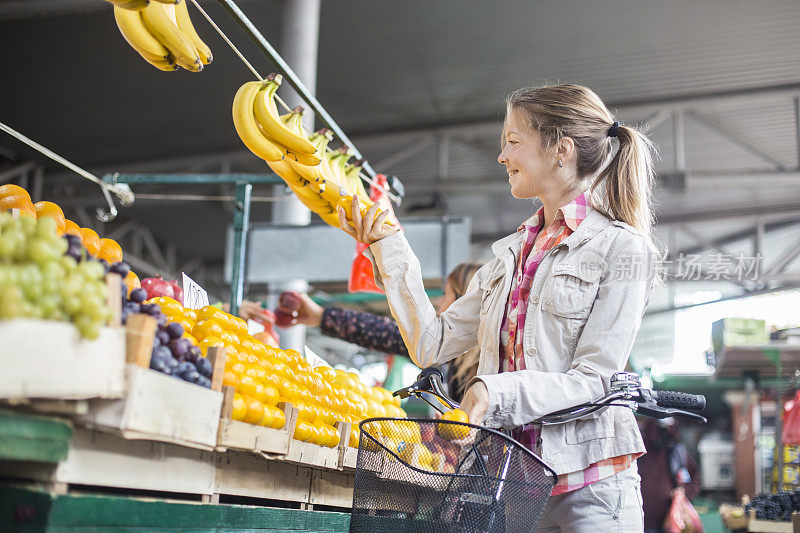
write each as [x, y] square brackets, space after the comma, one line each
[164, 64]
[294, 122]
[169, 1]
[331, 218]
[186, 26]
[245, 123]
[132, 28]
[131, 5]
[159, 19]
[271, 123]
[355, 184]
[314, 174]
[299, 186]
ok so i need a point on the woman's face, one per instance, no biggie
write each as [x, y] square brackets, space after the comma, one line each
[530, 167]
[447, 298]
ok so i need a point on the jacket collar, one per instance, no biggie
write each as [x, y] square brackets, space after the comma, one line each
[594, 222]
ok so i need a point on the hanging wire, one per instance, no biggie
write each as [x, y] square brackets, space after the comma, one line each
[278, 99]
[124, 193]
[206, 198]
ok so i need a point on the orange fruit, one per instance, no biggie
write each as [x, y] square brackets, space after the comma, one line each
[247, 385]
[453, 431]
[10, 189]
[207, 312]
[208, 328]
[303, 431]
[269, 415]
[51, 210]
[131, 280]
[191, 314]
[206, 343]
[17, 201]
[271, 395]
[72, 228]
[239, 407]
[278, 418]
[259, 349]
[239, 325]
[230, 378]
[110, 250]
[91, 241]
[255, 411]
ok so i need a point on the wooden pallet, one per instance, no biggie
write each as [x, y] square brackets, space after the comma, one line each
[49, 359]
[160, 408]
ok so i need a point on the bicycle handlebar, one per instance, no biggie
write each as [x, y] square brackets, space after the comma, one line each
[680, 400]
[626, 391]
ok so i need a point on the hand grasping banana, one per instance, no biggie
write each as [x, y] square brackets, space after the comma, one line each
[368, 228]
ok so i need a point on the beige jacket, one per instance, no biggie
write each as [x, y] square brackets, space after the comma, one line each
[586, 305]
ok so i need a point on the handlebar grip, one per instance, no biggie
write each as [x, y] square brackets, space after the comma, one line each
[680, 400]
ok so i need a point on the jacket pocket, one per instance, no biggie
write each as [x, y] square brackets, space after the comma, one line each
[582, 431]
[570, 292]
[487, 286]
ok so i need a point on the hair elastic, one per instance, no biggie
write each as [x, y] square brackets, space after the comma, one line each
[612, 131]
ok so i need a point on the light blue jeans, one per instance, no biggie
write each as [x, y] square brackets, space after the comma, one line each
[611, 504]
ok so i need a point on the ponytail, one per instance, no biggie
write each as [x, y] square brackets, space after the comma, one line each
[626, 182]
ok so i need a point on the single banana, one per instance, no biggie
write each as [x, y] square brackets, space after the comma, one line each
[299, 186]
[169, 1]
[159, 20]
[271, 123]
[186, 26]
[294, 122]
[355, 183]
[314, 174]
[131, 5]
[245, 123]
[132, 28]
[164, 64]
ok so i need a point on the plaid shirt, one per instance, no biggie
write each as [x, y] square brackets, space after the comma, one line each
[535, 246]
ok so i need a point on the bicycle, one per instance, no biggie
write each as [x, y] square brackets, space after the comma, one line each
[455, 477]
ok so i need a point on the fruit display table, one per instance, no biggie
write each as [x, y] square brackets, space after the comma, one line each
[31, 509]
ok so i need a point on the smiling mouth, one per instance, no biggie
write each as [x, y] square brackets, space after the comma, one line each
[512, 173]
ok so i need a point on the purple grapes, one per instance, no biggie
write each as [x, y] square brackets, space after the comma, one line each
[138, 295]
[205, 367]
[179, 348]
[174, 330]
[162, 336]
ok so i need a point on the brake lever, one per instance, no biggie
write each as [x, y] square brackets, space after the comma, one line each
[429, 381]
[656, 411]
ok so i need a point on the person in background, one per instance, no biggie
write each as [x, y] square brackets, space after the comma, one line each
[380, 333]
[669, 468]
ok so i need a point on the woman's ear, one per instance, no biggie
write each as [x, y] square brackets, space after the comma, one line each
[565, 148]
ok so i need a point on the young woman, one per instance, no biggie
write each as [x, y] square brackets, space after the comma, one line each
[380, 333]
[555, 313]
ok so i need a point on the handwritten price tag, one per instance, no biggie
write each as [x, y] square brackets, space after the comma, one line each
[194, 296]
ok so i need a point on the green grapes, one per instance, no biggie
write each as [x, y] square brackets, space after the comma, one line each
[38, 281]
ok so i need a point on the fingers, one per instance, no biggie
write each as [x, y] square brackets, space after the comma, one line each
[367, 223]
[356, 210]
[345, 226]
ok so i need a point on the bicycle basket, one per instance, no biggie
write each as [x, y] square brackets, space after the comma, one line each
[439, 476]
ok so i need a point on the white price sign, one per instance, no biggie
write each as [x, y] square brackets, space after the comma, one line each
[194, 296]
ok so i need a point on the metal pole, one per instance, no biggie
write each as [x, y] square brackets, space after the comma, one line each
[241, 225]
[299, 45]
[293, 10]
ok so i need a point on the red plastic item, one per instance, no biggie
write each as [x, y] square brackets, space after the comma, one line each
[361, 276]
[791, 421]
[682, 516]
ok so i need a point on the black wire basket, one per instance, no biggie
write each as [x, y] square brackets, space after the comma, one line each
[439, 476]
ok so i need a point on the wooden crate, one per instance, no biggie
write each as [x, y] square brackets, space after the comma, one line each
[160, 408]
[107, 460]
[334, 489]
[49, 359]
[310, 454]
[236, 435]
[245, 474]
[771, 526]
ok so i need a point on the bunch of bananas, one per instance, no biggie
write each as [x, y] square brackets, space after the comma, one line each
[162, 33]
[322, 180]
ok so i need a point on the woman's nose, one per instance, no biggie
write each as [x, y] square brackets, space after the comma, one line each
[501, 158]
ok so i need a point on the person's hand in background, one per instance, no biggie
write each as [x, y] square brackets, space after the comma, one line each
[297, 308]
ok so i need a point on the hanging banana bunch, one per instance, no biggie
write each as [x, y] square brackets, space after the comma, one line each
[321, 179]
[162, 33]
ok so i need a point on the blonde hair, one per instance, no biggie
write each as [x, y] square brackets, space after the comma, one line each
[464, 367]
[621, 188]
